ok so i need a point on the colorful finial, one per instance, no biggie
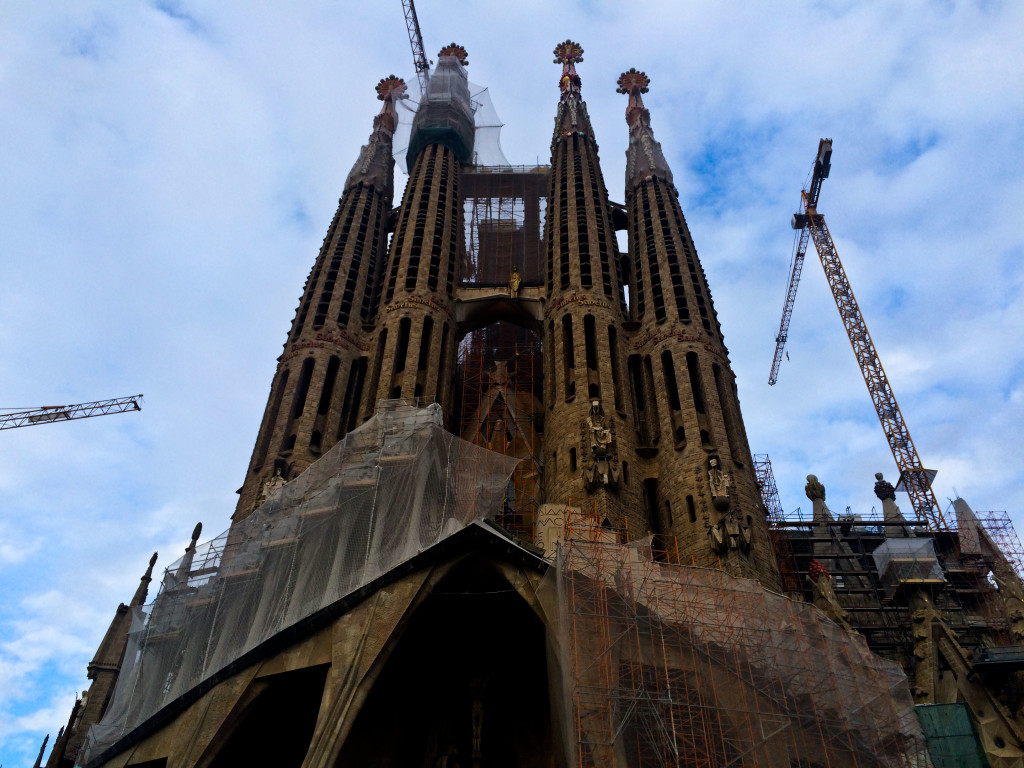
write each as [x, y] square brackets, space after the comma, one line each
[568, 52]
[634, 83]
[633, 80]
[453, 49]
[391, 87]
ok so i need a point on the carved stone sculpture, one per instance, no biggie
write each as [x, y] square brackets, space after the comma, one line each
[720, 483]
[825, 596]
[814, 489]
[601, 468]
[883, 488]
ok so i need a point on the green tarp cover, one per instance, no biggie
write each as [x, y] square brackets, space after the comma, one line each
[952, 741]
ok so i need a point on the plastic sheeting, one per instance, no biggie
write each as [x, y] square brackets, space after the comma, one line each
[392, 488]
[683, 666]
[445, 115]
[900, 560]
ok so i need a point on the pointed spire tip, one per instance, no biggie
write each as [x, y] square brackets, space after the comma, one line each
[456, 50]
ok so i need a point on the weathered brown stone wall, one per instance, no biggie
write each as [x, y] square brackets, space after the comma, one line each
[583, 339]
[682, 379]
[414, 348]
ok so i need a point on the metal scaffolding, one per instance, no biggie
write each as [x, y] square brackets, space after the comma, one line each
[683, 666]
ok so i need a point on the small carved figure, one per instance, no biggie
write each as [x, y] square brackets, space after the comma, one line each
[514, 281]
[720, 483]
[602, 466]
[601, 438]
[824, 595]
[883, 488]
[814, 489]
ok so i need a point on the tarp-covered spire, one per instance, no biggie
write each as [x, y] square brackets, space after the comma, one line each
[572, 114]
[375, 166]
[445, 116]
[644, 157]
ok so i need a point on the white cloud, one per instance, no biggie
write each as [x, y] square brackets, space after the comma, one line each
[169, 175]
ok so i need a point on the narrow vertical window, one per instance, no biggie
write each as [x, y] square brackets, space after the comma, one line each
[328, 389]
[669, 371]
[402, 347]
[298, 402]
[725, 403]
[652, 401]
[691, 510]
[271, 421]
[378, 363]
[442, 365]
[590, 343]
[424, 356]
[696, 385]
[590, 339]
[613, 347]
[568, 358]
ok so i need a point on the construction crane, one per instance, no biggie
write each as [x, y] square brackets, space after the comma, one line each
[419, 56]
[51, 413]
[822, 165]
[914, 478]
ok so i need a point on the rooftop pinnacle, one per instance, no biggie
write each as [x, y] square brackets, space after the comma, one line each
[374, 166]
[569, 54]
[644, 158]
[572, 110]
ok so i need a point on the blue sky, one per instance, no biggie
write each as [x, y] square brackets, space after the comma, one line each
[169, 170]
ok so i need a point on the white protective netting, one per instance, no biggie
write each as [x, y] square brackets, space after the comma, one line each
[487, 125]
[392, 488]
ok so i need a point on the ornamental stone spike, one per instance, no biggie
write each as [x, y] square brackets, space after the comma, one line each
[644, 158]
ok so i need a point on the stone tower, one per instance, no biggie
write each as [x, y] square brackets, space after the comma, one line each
[590, 435]
[699, 482]
[317, 389]
[371, 615]
[414, 353]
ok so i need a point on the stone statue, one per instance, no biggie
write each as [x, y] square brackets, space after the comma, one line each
[514, 281]
[883, 488]
[601, 468]
[601, 439]
[814, 489]
[720, 483]
[824, 596]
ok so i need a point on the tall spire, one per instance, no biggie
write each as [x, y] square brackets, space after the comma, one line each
[143, 591]
[572, 114]
[644, 157]
[375, 166]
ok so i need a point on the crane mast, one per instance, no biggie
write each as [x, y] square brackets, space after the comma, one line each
[822, 165]
[419, 56]
[914, 478]
[51, 413]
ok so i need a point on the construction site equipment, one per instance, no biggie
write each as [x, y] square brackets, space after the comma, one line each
[822, 165]
[392, 488]
[914, 478]
[419, 57]
[668, 664]
[48, 414]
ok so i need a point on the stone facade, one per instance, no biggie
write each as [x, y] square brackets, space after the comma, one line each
[640, 416]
